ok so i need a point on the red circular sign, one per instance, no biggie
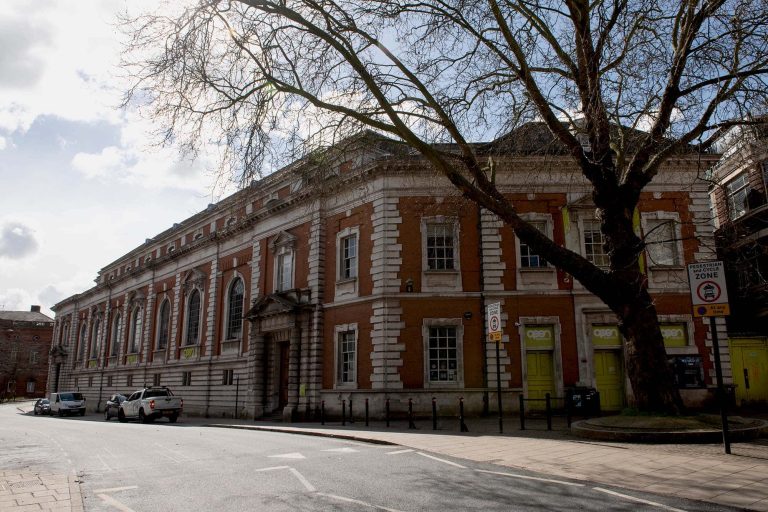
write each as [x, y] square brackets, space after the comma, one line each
[708, 291]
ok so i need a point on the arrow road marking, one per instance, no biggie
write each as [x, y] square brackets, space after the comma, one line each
[357, 502]
[398, 452]
[341, 450]
[303, 480]
[109, 500]
[116, 489]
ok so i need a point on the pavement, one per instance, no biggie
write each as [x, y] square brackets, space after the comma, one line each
[694, 471]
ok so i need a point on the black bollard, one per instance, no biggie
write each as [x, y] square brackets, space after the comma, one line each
[366, 412]
[434, 413]
[462, 425]
[351, 416]
[522, 413]
[568, 400]
[411, 424]
[548, 401]
[386, 411]
[322, 412]
[343, 412]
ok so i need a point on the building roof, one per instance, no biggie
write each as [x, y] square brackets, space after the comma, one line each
[24, 316]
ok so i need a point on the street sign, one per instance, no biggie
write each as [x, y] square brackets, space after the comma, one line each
[709, 294]
[494, 321]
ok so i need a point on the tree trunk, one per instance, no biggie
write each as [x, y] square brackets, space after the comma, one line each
[646, 360]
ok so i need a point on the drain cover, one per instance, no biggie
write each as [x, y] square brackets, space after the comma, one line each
[25, 483]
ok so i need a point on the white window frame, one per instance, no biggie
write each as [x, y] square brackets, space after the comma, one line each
[83, 341]
[735, 212]
[440, 220]
[94, 346]
[283, 246]
[137, 313]
[535, 218]
[583, 240]
[347, 287]
[652, 219]
[529, 278]
[159, 323]
[337, 331]
[444, 322]
[115, 341]
[227, 306]
[187, 311]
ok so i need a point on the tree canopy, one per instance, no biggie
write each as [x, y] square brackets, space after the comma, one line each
[620, 84]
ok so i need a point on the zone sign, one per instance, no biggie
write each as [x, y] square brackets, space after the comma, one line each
[493, 312]
[709, 294]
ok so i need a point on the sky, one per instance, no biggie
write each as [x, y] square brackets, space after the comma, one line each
[82, 182]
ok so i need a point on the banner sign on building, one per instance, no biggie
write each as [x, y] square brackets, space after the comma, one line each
[709, 294]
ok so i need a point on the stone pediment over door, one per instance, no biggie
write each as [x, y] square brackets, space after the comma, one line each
[278, 310]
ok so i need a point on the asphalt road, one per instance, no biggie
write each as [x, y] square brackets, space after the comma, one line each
[188, 466]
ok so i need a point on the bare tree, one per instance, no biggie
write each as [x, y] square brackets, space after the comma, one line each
[621, 85]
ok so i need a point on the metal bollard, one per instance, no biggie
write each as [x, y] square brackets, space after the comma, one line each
[322, 412]
[548, 401]
[568, 400]
[434, 413]
[351, 416]
[386, 411]
[411, 424]
[343, 412]
[522, 413]
[366, 412]
[462, 425]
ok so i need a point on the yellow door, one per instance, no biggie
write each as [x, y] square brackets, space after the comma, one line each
[540, 375]
[609, 379]
[749, 362]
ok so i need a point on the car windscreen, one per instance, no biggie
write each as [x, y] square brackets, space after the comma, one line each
[71, 396]
[45, 401]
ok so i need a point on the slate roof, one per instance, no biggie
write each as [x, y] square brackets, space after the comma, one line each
[24, 316]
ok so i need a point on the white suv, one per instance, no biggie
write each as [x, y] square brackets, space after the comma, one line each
[67, 403]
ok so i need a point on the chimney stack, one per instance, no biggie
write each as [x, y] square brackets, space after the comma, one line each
[35, 309]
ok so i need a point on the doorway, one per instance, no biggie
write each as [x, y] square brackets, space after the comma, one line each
[749, 361]
[284, 361]
[609, 379]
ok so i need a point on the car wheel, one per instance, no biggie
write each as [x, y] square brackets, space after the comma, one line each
[143, 417]
[61, 413]
[82, 412]
[121, 416]
[35, 411]
[173, 417]
[106, 415]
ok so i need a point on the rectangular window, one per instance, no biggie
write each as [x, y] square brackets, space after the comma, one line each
[347, 353]
[109, 381]
[528, 258]
[30, 386]
[186, 379]
[33, 357]
[156, 379]
[76, 382]
[443, 354]
[661, 242]
[440, 247]
[90, 382]
[228, 377]
[14, 351]
[736, 191]
[284, 271]
[348, 257]
[129, 381]
[594, 244]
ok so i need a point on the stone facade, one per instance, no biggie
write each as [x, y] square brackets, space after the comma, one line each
[371, 284]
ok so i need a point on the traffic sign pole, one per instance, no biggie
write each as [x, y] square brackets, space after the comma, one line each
[494, 334]
[498, 386]
[720, 390]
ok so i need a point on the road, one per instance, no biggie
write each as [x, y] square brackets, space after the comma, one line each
[188, 466]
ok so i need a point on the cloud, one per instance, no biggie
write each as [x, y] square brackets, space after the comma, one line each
[3, 143]
[23, 42]
[17, 240]
[15, 299]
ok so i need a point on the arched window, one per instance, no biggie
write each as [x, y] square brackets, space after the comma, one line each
[83, 339]
[193, 318]
[135, 331]
[95, 335]
[164, 324]
[235, 313]
[116, 335]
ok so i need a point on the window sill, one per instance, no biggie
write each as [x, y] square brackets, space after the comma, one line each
[346, 280]
[441, 271]
[537, 269]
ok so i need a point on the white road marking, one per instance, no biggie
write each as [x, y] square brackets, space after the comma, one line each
[341, 450]
[116, 489]
[441, 460]
[103, 462]
[109, 500]
[303, 480]
[357, 502]
[639, 500]
[398, 452]
[295, 455]
[273, 468]
[524, 477]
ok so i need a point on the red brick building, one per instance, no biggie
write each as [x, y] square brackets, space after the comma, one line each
[25, 342]
[363, 275]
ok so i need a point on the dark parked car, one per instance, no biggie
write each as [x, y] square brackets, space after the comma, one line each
[42, 406]
[112, 406]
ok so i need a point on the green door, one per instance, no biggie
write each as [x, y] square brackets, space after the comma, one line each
[609, 379]
[541, 375]
[749, 362]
